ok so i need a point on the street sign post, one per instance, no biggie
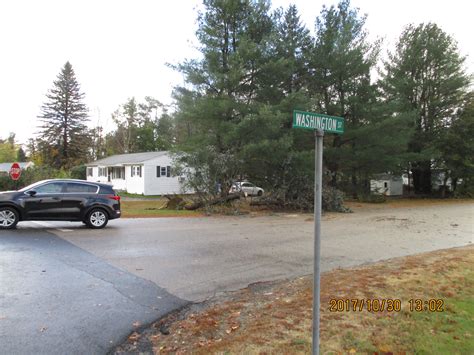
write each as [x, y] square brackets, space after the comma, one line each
[15, 171]
[319, 123]
[310, 120]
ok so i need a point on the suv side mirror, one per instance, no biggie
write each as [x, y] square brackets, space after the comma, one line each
[31, 192]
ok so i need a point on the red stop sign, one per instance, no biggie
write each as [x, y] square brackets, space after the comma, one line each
[15, 171]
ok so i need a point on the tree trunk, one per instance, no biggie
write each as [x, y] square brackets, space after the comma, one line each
[422, 177]
[216, 201]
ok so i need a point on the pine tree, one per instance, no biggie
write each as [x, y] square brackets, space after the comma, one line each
[275, 155]
[456, 146]
[222, 88]
[340, 85]
[63, 133]
[425, 79]
[293, 46]
[20, 155]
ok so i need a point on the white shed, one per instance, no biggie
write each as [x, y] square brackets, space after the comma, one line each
[387, 184]
[148, 173]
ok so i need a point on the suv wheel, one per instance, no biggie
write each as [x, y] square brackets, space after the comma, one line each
[8, 218]
[97, 218]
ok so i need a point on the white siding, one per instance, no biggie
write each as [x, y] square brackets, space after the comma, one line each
[96, 177]
[119, 184]
[378, 186]
[396, 187]
[134, 184]
[148, 183]
[95, 172]
[160, 185]
[387, 187]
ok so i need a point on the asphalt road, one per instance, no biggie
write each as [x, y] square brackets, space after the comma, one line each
[195, 258]
[56, 298]
[68, 289]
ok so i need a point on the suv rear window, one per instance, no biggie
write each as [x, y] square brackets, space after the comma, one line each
[74, 187]
[105, 190]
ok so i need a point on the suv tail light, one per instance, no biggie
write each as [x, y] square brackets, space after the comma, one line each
[114, 197]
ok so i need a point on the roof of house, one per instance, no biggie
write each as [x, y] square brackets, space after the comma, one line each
[5, 167]
[132, 158]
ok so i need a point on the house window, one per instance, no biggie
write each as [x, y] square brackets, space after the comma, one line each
[102, 171]
[136, 170]
[118, 173]
[163, 171]
[385, 184]
[89, 172]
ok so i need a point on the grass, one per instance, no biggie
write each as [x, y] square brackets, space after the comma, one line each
[276, 318]
[152, 208]
[449, 332]
[127, 194]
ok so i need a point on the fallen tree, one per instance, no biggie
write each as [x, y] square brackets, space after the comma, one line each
[174, 202]
[216, 201]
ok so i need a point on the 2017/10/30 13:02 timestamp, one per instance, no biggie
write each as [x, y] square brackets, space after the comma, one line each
[386, 305]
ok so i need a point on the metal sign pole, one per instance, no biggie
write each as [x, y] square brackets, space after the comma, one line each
[319, 123]
[318, 177]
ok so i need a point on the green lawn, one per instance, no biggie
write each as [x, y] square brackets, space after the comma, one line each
[449, 332]
[152, 208]
[126, 194]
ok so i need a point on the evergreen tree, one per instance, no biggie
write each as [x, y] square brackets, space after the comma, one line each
[425, 79]
[63, 133]
[20, 155]
[340, 85]
[222, 88]
[293, 47]
[456, 147]
[275, 155]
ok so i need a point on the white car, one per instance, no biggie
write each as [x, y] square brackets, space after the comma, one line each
[247, 188]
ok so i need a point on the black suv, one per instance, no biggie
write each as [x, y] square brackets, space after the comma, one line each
[60, 200]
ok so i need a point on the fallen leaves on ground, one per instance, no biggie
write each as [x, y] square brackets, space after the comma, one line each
[267, 318]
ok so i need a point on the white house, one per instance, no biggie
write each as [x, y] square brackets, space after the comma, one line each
[148, 173]
[387, 184]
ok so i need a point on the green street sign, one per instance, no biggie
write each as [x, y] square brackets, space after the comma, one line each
[310, 120]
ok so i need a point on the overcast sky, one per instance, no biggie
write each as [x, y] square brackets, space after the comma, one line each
[119, 48]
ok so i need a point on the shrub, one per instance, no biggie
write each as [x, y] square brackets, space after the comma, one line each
[31, 175]
[79, 172]
[465, 189]
[333, 200]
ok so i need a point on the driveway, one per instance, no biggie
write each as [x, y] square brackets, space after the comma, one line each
[67, 289]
